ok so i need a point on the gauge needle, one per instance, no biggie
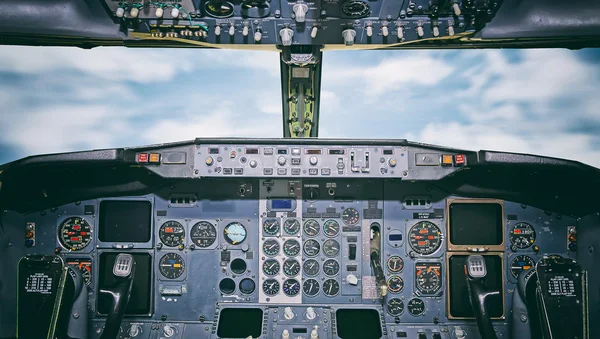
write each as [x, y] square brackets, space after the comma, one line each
[294, 264]
[330, 287]
[273, 245]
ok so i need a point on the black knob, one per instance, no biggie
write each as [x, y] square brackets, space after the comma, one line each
[422, 335]
[436, 335]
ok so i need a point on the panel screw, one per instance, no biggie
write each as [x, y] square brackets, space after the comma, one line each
[523, 318]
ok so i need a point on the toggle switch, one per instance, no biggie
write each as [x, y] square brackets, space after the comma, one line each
[134, 12]
[385, 31]
[231, 30]
[245, 29]
[456, 9]
[369, 29]
[450, 30]
[436, 31]
[120, 12]
[420, 31]
[314, 31]
[352, 252]
[159, 12]
[175, 12]
[217, 30]
[257, 38]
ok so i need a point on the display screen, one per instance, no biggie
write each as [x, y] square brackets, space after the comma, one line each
[358, 324]
[125, 221]
[395, 237]
[281, 203]
[248, 322]
[476, 224]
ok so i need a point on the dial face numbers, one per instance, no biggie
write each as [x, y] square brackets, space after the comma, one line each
[425, 238]
[331, 248]
[311, 227]
[271, 247]
[74, 234]
[395, 264]
[235, 233]
[291, 287]
[270, 287]
[203, 234]
[395, 284]
[519, 264]
[291, 267]
[428, 277]
[171, 265]
[331, 228]
[85, 266]
[311, 247]
[416, 307]
[291, 226]
[522, 235]
[350, 216]
[395, 307]
[271, 267]
[311, 287]
[331, 287]
[355, 9]
[219, 9]
[311, 267]
[271, 226]
[291, 248]
[171, 234]
[331, 267]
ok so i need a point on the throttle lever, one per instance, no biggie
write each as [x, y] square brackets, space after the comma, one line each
[475, 272]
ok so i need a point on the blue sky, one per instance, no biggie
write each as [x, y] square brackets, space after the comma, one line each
[531, 101]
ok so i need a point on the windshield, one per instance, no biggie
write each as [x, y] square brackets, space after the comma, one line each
[528, 101]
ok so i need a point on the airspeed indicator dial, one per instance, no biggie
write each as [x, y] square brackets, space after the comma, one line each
[425, 238]
[172, 234]
[75, 234]
[522, 235]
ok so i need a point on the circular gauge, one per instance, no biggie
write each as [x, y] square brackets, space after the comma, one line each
[172, 234]
[416, 307]
[395, 284]
[238, 266]
[74, 234]
[311, 227]
[219, 9]
[227, 286]
[235, 233]
[171, 265]
[311, 247]
[203, 234]
[331, 287]
[271, 247]
[291, 287]
[85, 266]
[428, 279]
[331, 228]
[247, 286]
[355, 9]
[395, 264]
[310, 267]
[350, 216]
[270, 286]
[522, 235]
[291, 267]
[395, 307]
[271, 267]
[291, 226]
[310, 287]
[519, 264]
[271, 226]
[331, 267]
[291, 248]
[425, 237]
[331, 248]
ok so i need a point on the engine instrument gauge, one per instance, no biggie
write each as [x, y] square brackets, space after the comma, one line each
[395, 284]
[219, 9]
[416, 307]
[311, 227]
[291, 226]
[291, 247]
[395, 264]
[271, 247]
[85, 266]
[331, 228]
[291, 267]
[203, 234]
[271, 267]
[171, 265]
[331, 248]
[74, 234]
[395, 307]
[311, 287]
[350, 216]
[522, 235]
[428, 277]
[310, 267]
[331, 267]
[271, 226]
[171, 233]
[291, 287]
[425, 237]
[270, 287]
[519, 264]
[355, 9]
[235, 233]
[331, 287]
[311, 247]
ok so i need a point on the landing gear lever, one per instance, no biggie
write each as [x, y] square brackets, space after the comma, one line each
[475, 271]
[120, 292]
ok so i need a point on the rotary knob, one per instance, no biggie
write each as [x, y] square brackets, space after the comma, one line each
[288, 313]
[168, 331]
[209, 161]
[281, 161]
[134, 330]
[253, 163]
[313, 160]
[286, 35]
[300, 10]
[392, 162]
[310, 313]
[348, 36]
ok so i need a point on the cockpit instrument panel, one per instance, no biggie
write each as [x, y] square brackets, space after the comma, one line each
[74, 233]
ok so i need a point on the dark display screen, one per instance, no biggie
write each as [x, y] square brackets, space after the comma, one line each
[240, 323]
[358, 324]
[395, 237]
[476, 224]
[125, 221]
[281, 203]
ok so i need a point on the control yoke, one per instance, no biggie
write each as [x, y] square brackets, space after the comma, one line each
[475, 271]
[123, 272]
